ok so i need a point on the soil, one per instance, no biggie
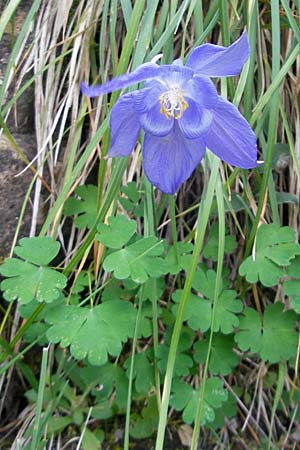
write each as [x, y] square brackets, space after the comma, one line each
[20, 123]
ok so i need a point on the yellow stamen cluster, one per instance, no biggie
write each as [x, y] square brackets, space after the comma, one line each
[173, 103]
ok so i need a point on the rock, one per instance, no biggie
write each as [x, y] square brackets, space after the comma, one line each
[20, 123]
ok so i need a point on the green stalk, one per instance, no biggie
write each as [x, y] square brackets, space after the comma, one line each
[278, 392]
[267, 179]
[221, 247]
[130, 382]
[173, 226]
[252, 32]
[265, 99]
[150, 231]
[39, 403]
[202, 220]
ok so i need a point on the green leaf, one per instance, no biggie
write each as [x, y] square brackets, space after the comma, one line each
[210, 249]
[37, 250]
[227, 411]
[143, 426]
[26, 281]
[145, 322]
[250, 332]
[143, 372]
[85, 207]
[132, 201]
[184, 361]
[293, 270]
[183, 397]
[91, 440]
[113, 384]
[222, 358]
[291, 288]
[131, 191]
[197, 312]
[56, 424]
[274, 249]
[83, 280]
[226, 318]
[204, 283]
[117, 233]
[93, 333]
[275, 339]
[180, 395]
[184, 250]
[138, 261]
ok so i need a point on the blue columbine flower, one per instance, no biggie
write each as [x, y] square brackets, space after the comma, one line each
[181, 114]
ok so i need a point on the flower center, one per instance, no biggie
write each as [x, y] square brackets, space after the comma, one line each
[173, 103]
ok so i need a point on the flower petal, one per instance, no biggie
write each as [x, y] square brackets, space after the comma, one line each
[203, 91]
[170, 160]
[124, 126]
[147, 97]
[142, 73]
[154, 122]
[147, 106]
[147, 71]
[195, 120]
[216, 61]
[230, 136]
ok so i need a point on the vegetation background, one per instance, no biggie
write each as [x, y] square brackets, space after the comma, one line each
[211, 297]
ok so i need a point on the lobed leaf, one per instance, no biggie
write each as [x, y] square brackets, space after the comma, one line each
[138, 261]
[117, 233]
[222, 358]
[184, 397]
[93, 333]
[210, 249]
[198, 310]
[85, 207]
[274, 338]
[274, 249]
[143, 373]
[28, 280]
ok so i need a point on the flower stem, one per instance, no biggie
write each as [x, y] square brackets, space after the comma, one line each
[173, 226]
[221, 247]
[150, 231]
[203, 216]
[137, 322]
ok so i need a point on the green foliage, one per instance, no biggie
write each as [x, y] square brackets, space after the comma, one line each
[31, 279]
[143, 372]
[184, 361]
[210, 249]
[112, 384]
[93, 332]
[84, 207]
[222, 358]
[185, 398]
[198, 310]
[137, 261]
[144, 425]
[178, 258]
[292, 287]
[274, 249]
[145, 323]
[117, 233]
[274, 337]
[131, 199]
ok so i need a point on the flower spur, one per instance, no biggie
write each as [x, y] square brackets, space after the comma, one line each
[181, 114]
